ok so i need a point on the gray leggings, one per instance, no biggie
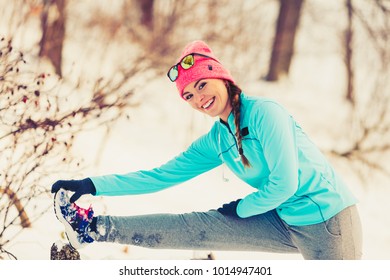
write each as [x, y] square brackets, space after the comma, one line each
[337, 238]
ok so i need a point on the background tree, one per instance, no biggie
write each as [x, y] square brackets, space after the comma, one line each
[146, 12]
[53, 17]
[39, 121]
[283, 46]
[350, 95]
[369, 138]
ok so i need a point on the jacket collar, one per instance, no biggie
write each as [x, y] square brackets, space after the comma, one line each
[230, 121]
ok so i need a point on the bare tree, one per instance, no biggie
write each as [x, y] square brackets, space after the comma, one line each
[38, 125]
[370, 139]
[146, 12]
[283, 46]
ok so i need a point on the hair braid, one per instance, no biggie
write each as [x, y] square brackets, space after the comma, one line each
[235, 98]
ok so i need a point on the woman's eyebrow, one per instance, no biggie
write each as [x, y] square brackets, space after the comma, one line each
[197, 83]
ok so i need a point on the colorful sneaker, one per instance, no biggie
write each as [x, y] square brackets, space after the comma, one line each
[75, 219]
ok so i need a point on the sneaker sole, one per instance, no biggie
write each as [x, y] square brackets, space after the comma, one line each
[71, 235]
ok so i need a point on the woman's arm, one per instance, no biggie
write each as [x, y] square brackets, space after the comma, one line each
[197, 159]
[276, 133]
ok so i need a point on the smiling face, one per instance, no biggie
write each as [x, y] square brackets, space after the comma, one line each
[209, 96]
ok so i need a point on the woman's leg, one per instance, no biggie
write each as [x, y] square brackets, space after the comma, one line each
[198, 230]
[338, 238]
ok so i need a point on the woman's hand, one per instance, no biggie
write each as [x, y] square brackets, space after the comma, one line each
[79, 187]
[229, 209]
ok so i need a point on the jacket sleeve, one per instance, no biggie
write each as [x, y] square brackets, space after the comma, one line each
[197, 159]
[275, 130]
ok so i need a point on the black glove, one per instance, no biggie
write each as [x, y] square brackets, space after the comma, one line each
[229, 209]
[79, 187]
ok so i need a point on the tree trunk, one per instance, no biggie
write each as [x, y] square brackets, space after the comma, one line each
[283, 46]
[146, 9]
[53, 32]
[350, 95]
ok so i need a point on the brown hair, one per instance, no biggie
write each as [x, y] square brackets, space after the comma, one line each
[234, 93]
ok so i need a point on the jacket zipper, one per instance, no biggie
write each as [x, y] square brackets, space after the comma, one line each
[234, 137]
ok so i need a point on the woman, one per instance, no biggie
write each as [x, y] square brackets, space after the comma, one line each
[299, 204]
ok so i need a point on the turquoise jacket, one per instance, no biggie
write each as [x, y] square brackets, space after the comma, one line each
[288, 172]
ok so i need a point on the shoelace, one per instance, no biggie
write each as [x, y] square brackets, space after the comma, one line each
[81, 213]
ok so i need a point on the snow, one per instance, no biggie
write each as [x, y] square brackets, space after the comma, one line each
[164, 125]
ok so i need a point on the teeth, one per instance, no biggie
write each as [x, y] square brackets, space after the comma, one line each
[205, 106]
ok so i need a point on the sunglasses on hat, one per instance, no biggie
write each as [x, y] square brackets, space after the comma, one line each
[186, 63]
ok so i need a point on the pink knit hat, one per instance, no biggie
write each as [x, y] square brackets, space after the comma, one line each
[204, 68]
